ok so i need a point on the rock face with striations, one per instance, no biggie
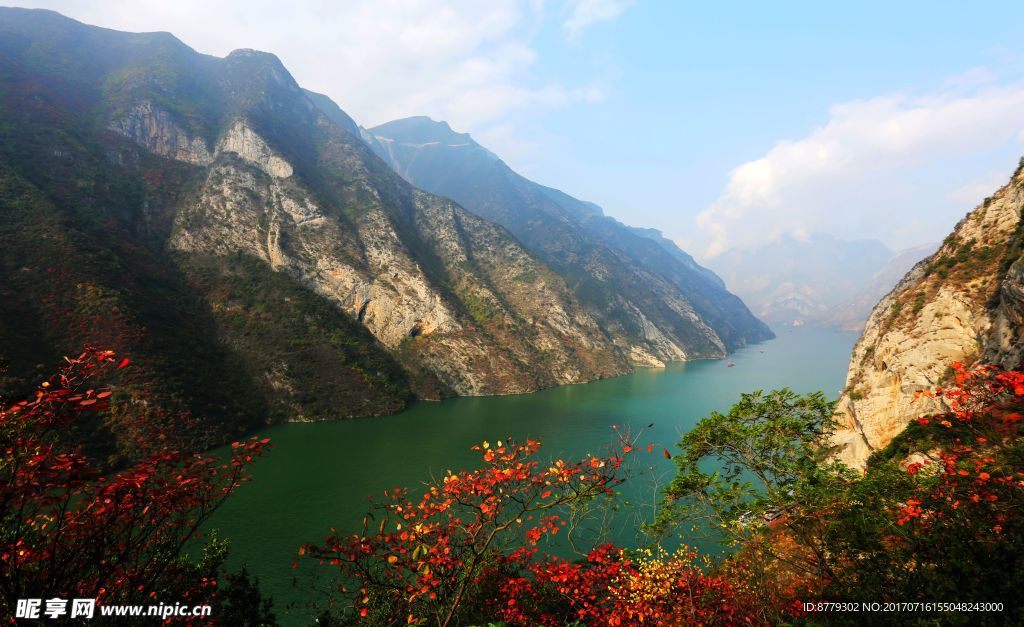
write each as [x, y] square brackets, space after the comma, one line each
[235, 235]
[652, 299]
[963, 303]
[252, 254]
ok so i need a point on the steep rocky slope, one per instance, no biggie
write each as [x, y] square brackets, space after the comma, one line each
[963, 303]
[654, 300]
[257, 260]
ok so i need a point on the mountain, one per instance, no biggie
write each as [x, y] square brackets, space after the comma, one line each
[852, 314]
[965, 303]
[678, 253]
[653, 299]
[228, 231]
[797, 281]
[333, 112]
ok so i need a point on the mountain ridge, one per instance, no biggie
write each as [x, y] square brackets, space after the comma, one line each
[220, 180]
[660, 303]
[236, 236]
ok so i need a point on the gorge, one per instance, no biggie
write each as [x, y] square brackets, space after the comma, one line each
[221, 224]
[319, 475]
[463, 396]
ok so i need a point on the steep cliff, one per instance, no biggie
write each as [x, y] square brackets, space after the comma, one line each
[255, 258]
[963, 303]
[656, 303]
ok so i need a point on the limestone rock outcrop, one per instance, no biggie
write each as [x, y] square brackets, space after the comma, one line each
[963, 303]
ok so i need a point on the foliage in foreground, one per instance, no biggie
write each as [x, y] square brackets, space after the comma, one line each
[941, 525]
[69, 530]
[935, 518]
[467, 552]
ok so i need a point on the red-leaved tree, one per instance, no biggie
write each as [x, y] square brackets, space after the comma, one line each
[467, 551]
[432, 559]
[613, 587]
[938, 515]
[69, 529]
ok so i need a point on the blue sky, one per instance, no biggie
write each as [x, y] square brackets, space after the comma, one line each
[700, 89]
[722, 124]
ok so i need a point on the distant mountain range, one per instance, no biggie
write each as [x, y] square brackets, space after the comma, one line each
[261, 261]
[852, 314]
[820, 280]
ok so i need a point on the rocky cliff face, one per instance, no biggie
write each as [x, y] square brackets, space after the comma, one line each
[437, 286]
[963, 303]
[249, 244]
[505, 311]
[653, 300]
[155, 129]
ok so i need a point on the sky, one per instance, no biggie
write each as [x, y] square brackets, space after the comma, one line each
[723, 124]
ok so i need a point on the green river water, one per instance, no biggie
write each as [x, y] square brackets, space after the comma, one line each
[318, 475]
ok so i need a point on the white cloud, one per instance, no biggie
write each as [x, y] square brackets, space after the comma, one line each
[586, 13]
[878, 167]
[472, 63]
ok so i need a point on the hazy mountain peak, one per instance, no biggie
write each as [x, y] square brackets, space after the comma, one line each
[797, 280]
[421, 129]
[255, 55]
[395, 141]
[852, 314]
[63, 29]
[261, 63]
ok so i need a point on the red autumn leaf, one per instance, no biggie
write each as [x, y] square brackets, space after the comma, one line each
[103, 514]
[124, 362]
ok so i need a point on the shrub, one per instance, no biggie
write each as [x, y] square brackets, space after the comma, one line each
[66, 529]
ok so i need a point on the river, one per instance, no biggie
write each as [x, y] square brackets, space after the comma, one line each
[318, 475]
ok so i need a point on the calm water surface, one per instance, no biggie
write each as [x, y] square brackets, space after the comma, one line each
[318, 476]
